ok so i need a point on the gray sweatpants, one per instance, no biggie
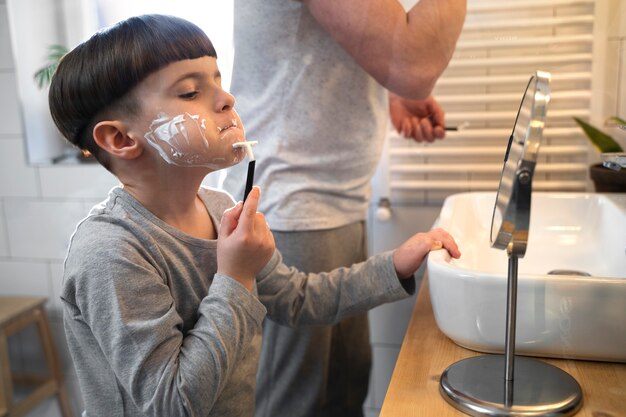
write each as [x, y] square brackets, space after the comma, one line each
[320, 370]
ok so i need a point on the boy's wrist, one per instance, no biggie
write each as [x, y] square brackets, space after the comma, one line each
[247, 282]
[233, 291]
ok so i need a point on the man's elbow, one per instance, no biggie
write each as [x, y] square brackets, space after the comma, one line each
[414, 83]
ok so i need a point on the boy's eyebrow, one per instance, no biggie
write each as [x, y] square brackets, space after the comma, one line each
[197, 75]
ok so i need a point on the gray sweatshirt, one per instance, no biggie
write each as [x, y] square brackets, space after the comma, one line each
[153, 329]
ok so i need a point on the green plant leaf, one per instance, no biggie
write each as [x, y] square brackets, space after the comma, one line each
[600, 140]
[619, 121]
[43, 76]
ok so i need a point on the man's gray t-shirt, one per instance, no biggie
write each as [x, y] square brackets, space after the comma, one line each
[319, 118]
[154, 330]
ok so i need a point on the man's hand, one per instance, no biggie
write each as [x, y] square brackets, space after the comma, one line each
[410, 255]
[245, 243]
[422, 120]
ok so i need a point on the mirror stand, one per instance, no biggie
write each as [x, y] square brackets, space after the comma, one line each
[506, 385]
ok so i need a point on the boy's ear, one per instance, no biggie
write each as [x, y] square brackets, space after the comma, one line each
[112, 136]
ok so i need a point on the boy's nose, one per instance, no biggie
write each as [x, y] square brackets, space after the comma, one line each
[226, 101]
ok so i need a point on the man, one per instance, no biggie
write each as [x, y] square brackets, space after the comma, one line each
[314, 80]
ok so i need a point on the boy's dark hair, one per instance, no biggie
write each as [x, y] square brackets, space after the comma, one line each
[94, 80]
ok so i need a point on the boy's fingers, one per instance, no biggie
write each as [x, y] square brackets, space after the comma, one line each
[230, 219]
[249, 208]
[448, 242]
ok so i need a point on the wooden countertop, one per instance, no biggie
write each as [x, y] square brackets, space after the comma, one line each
[426, 352]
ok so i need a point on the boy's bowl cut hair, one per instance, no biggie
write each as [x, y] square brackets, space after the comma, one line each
[97, 76]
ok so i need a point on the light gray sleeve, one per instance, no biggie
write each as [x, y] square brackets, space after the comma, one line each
[294, 298]
[132, 315]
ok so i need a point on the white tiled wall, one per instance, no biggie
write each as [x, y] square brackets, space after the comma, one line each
[39, 208]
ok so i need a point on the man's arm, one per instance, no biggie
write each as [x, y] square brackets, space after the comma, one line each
[406, 52]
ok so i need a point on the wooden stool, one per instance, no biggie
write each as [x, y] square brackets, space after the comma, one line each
[16, 313]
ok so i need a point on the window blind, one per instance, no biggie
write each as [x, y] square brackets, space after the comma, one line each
[501, 45]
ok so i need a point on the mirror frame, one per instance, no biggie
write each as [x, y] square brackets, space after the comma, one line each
[512, 206]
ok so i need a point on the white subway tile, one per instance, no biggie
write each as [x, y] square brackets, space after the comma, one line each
[10, 117]
[17, 179]
[55, 308]
[77, 181]
[6, 60]
[4, 242]
[28, 279]
[41, 229]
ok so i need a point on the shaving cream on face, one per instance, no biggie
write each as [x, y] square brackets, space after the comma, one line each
[181, 140]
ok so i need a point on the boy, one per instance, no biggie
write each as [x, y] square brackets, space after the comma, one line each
[166, 283]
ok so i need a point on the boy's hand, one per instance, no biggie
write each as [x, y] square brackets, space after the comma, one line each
[245, 243]
[410, 255]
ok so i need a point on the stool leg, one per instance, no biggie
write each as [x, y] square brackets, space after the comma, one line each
[6, 385]
[52, 360]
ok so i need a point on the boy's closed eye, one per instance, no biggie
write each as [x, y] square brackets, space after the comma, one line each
[189, 95]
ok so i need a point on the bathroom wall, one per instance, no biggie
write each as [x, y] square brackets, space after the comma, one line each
[40, 206]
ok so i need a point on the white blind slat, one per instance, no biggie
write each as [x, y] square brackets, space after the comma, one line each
[492, 133]
[503, 42]
[444, 99]
[490, 6]
[483, 150]
[507, 79]
[434, 185]
[484, 168]
[510, 115]
[510, 61]
[514, 22]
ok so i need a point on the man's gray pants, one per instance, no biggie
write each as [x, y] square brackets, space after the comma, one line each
[319, 370]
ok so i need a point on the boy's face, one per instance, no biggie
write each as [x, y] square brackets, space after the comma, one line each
[188, 118]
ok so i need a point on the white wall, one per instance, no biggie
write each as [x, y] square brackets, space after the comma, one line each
[39, 208]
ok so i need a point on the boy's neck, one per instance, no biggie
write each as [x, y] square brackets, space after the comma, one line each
[174, 199]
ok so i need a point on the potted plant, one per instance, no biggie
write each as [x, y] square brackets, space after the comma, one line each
[43, 77]
[609, 175]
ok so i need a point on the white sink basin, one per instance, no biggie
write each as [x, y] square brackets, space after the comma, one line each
[582, 317]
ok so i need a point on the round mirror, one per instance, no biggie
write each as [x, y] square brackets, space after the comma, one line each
[511, 212]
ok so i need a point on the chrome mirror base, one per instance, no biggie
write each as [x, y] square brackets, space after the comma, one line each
[477, 386]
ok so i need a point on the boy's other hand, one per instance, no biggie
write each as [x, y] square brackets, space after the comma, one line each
[245, 243]
[410, 255]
